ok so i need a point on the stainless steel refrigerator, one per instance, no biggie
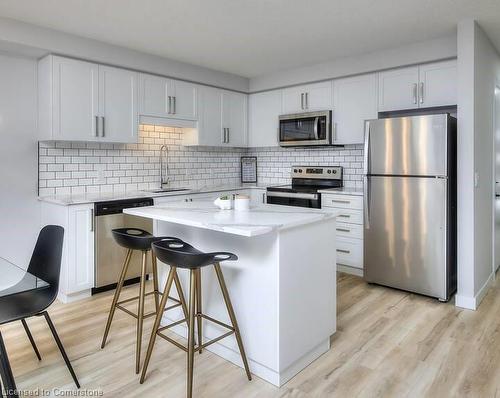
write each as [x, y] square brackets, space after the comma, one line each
[410, 204]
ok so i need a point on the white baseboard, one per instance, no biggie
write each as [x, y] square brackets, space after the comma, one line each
[350, 270]
[472, 303]
[70, 298]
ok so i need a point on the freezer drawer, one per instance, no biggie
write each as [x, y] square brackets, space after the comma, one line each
[405, 240]
[412, 146]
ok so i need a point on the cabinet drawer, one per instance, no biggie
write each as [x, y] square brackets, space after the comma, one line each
[342, 201]
[350, 252]
[350, 216]
[350, 230]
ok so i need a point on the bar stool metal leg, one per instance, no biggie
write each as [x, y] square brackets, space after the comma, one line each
[116, 296]
[180, 292]
[156, 292]
[140, 312]
[156, 325]
[190, 358]
[232, 316]
[199, 310]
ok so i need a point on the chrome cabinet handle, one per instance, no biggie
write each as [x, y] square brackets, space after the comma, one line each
[307, 100]
[335, 132]
[344, 215]
[263, 197]
[343, 251]
[169, 107]
[415, 93]
[91, 220]
[228, 137]
[341, 201]
[103, 127]
[175, 105]
[223, 135]
[343, 230]
[302, 100]
[96, 132]
[421, 93]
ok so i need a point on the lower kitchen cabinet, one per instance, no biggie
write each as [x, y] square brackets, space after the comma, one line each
[77, 266]
[258, 196]
[349, 230]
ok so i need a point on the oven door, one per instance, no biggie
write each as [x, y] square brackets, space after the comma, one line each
[311, 200]
[313, 128]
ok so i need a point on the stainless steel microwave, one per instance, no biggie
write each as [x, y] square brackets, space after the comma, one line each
[306, 129]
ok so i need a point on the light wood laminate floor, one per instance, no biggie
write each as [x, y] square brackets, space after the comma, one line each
[389, 344]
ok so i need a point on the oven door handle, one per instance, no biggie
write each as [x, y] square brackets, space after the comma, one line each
[316, 122]
[313, 196]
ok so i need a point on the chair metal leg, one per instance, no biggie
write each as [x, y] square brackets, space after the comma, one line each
[8, 381]
[61, 347]
[116, 296]
[31, 339]
[156, 292]
[198, 308]
[190, 358]
[163, 303]
[140, 312]
[232, 316]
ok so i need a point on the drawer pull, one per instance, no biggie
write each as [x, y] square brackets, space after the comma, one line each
[345, 215]
[341, 201]
[344, 251]
[343, 230]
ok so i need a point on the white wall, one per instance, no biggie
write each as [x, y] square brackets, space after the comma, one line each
[31, 39]
[432, 50]
[19, 213]
[478, 73]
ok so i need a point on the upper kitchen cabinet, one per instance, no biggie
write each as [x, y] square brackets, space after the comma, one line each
[438, 84]
[263, 121]
[82, 101]
[311, 97]
[168, 98]
[118, 104]
[354, 101]
[234, 118]
[423, 86]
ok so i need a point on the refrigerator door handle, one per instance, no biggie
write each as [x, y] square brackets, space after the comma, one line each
[367, 147]
[366, 202]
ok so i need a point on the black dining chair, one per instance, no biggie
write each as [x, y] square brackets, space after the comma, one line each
[45, 264]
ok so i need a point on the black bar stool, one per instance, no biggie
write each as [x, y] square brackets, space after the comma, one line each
[182, 255]
[138, 239]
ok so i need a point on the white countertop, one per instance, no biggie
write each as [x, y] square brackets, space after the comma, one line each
[66, 200]
[258, 220]
[343, 191]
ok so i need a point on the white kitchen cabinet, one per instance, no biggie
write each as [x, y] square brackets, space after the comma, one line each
[349, 234]
[68, 96]
[310, 97]
[423, 86]
[118, 105]
[83, 101]
[168, 98]
[258, 196]
[264, 110]
[77, 266]
[355, 100]
[438, 84]
[234, 118]
[398, 89]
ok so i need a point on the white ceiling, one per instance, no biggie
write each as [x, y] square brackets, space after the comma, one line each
[255, 37]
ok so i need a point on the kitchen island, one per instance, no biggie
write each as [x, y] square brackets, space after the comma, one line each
[283, 286]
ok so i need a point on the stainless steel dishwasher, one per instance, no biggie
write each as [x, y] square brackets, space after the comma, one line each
[109, 256]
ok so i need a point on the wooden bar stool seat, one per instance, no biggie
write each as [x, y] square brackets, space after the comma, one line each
[138, 239]
[182, 255]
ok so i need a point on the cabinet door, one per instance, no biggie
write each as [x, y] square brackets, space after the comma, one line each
[184, 103]
[154, 93]
[398, 89]
[234, 118]
[438, 84]
[257, 196]
[80, 237]
[355, 100]
[318, 97]
[264, 111]
[293, 100]
[210, 123]
[75, 96]
[118, 105]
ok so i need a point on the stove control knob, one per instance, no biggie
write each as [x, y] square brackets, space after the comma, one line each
[300, 170]
[334, 171]
[294, 170]
[329, 172]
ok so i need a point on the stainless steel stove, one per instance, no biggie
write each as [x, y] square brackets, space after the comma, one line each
[306, 182]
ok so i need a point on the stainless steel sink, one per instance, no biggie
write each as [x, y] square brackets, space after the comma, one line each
[165, 190]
